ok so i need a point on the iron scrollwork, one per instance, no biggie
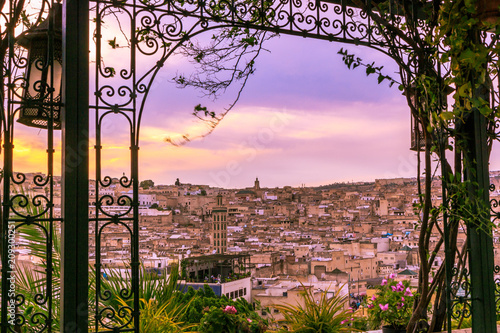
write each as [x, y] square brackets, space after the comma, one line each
[495, 218]
[31, 218]
[460, 293]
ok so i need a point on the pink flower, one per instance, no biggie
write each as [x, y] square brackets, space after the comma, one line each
[230, 309]
[400, 305]
[384, 282]
[408, 292]
[394, 288]
[384, 307]
[370, 306]
[352, 319]
[249, 320]
[374, 297]
[343, 322]
[402, 299]
[392, 276]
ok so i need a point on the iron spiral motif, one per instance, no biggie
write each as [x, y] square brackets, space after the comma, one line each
[495, 218]
[460, 286]
[460, 293]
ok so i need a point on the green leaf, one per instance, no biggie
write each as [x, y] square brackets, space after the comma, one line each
[446, 116]
[370, 70]
[112, 43]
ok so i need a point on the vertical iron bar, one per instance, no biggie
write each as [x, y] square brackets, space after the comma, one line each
[6, 273]
[7, 176]
[75, 136]
[135, 236]
[98, 175]
[134, 173]
[50, 162]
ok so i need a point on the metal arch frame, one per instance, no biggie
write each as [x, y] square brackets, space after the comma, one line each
[300, 19]
[166, 23]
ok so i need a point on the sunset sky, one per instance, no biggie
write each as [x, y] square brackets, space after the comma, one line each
[304, 118]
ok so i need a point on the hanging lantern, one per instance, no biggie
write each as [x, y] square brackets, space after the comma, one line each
[487, 10]
[42, 90]
[417, 133]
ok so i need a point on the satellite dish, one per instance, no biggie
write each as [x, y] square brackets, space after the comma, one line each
[214, 251]
[188, 252]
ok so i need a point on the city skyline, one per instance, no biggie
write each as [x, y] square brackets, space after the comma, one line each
[303, 118]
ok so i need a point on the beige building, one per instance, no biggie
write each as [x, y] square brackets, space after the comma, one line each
[218, 235]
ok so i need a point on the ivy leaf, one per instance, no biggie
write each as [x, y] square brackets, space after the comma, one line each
[112, 43]
[249, 41]
[381, 78]
[446, 116]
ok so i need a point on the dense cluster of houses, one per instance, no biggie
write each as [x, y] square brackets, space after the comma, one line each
[267, 244]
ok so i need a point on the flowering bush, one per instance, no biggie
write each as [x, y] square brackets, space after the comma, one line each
[228, 320]
[230, 309]
[392, 304]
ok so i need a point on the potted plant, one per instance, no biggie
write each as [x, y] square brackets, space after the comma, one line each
[391, 306]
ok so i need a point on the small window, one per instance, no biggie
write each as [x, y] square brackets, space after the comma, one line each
[232, 294]
[244, 291]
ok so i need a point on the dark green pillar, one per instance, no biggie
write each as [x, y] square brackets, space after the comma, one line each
[481, 261]
[75, 173]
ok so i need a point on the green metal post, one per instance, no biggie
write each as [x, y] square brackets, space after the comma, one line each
[481, 261]
[480, 242]
[75, 136]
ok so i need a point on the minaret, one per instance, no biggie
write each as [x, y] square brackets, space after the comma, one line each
[219, 227]
[257, 184]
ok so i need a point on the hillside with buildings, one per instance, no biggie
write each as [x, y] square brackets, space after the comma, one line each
[263, 243]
